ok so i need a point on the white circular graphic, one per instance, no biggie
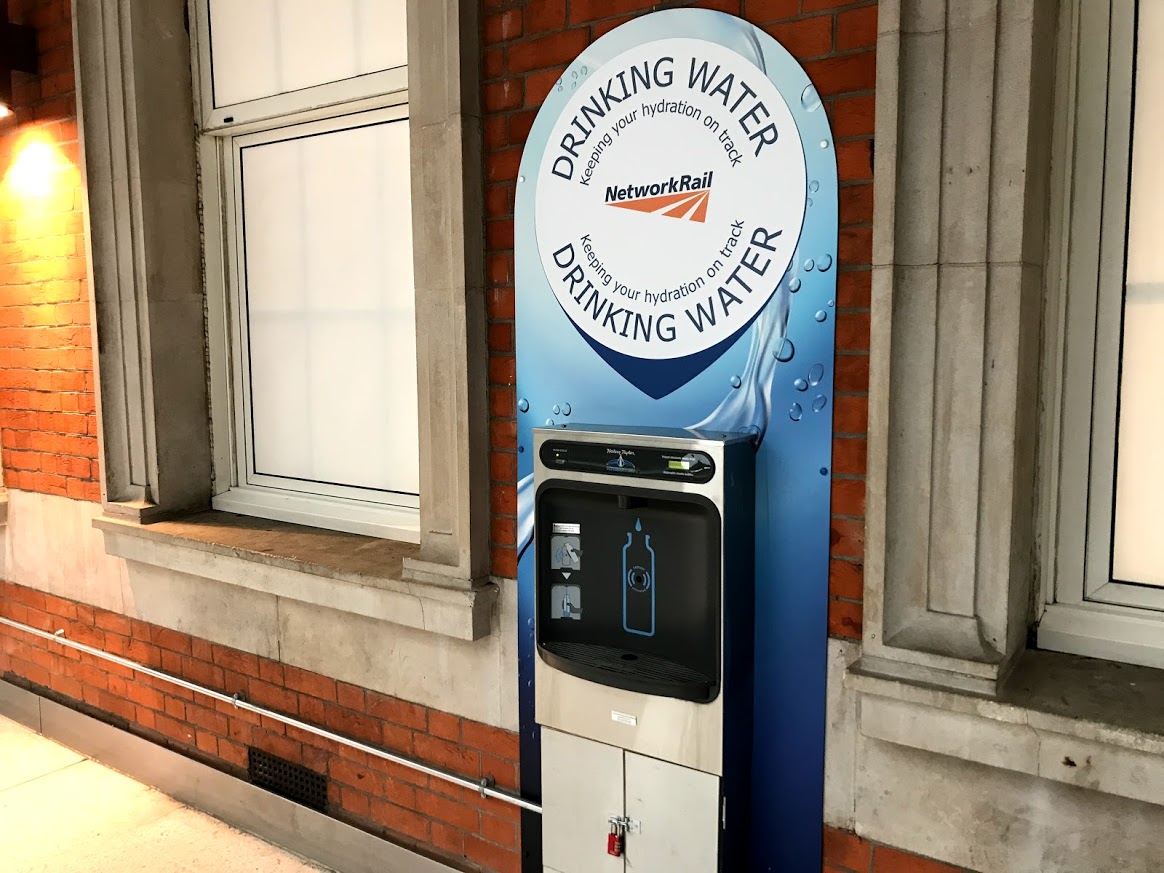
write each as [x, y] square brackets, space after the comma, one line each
[670, 198]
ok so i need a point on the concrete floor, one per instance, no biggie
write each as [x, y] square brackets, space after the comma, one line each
[63, 813]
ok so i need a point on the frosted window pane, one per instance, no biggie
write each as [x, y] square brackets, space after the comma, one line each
[1139, 510]
[264, 47]
[330, 308]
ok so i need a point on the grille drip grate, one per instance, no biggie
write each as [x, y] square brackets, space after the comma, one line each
[287, 779]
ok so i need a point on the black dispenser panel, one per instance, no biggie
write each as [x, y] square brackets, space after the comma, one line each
[629, 588]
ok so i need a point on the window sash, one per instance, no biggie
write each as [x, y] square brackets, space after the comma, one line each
[1088, 611]
[301, 500]
[312, 99]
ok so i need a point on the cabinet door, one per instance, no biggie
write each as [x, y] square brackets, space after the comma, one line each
[678, 809]
[582, 787]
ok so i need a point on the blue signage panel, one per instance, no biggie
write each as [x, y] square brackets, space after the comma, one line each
[676, 244]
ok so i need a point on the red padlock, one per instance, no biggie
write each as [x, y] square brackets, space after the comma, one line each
[614, 840]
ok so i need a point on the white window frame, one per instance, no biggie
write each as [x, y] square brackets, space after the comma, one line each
[368, 99]
[1088, 612]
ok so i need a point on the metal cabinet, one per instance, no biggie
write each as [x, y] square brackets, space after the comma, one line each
[673, 811]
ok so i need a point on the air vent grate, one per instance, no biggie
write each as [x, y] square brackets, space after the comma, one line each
[287, 779]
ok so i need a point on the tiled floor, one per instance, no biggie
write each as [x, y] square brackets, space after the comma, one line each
[63, 813]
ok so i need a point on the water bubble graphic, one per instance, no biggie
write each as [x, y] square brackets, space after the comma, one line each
[549, 422]
[800, 385]
[831, 302]
[824, 471]
[824, 262]
[786, 351]
[821, 315]
[819, 403]
[736, 382]
[523, 405]
[810, 201]
[809, 99]
[521, 178]
[521, 450]
[557, 409]
[529, 622]
[809, 264]
[566, 409]
[816, 374]
[814, 186]
[794, 285]
[795, 412]
[824, 143]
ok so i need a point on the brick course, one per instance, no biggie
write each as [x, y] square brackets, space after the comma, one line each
[48, 422]
[845, 852]
[527, 46]
[376, 795]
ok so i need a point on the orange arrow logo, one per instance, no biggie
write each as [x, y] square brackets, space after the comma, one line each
[691, 205]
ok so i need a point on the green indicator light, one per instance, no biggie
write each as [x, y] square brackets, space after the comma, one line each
[677, 465]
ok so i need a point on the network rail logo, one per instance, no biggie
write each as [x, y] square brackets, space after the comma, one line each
[684, 197]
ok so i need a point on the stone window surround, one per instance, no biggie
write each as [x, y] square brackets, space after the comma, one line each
[951, 579]
[136, 118]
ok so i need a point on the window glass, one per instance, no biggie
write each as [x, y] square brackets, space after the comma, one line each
[260, 48]
[329, 308]
[1138, 547]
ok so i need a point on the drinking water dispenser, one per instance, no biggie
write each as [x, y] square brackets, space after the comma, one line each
[644, 629]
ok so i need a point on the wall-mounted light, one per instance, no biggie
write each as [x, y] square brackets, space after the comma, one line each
[17, 54]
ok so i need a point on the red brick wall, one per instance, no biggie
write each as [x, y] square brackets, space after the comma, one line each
[47, 409]
[528, 44]
[376, 795]
[847, 853]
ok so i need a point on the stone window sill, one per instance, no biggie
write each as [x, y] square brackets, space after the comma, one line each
[1080, 721]
[346, 572]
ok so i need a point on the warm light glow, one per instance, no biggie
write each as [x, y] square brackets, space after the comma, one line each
[34, 171]
[4, 110]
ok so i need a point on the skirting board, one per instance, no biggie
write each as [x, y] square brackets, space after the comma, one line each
[303, 831]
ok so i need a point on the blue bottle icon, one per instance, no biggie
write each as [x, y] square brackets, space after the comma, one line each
[638, 583]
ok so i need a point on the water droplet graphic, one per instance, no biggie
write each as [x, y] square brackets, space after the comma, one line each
[786, 351]
[794, 285]
[557, 409]
[800, 385]
[815, 374]
[521, 178]
[814, 186]
[809, 264]
[821, 315]
[566, 409]
[795, 412]
[736, 382]
[638, 524]
[809, 99]
[831, 302]
[810, 201]
[824, 262]
[529, 622]
[819, 403]
[824, 471]
[521, 450]
[549, 422]
[523, 405]
[824, 143]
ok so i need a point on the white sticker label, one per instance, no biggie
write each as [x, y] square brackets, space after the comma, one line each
[561, 527]
[623, 718]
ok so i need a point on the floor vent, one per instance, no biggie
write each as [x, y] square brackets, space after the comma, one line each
[287, 779]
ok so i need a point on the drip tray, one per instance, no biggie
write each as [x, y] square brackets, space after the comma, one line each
[633, 671]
